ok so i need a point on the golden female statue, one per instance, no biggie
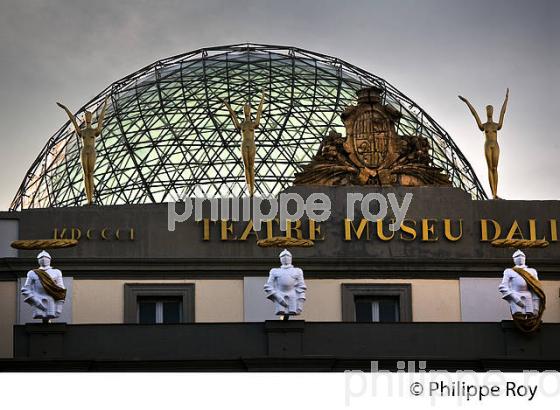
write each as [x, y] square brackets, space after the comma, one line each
[491, 147]
[248, 148]
[88, 154]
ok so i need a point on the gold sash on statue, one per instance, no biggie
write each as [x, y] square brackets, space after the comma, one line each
[530, 324]
[50, 287]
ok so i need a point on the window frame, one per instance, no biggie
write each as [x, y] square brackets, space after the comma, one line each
[401, 290]
[183, 290]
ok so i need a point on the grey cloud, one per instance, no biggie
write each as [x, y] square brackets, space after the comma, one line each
[430, 50]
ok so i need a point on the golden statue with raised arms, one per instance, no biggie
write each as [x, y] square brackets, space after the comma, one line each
[88, 154]
[248, 148]
[491, 147]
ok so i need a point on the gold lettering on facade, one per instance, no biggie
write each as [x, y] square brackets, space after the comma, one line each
[269, 231]
[290, 228]
[104, 234]
[515, 231]
[408, 233]
[205, 229]
[425, 230]
[349, 228]
[380, 234]
[428, 230]
[90, 234]
[533, 230]
[447, 230]
[484, 230]
[553, 231]
[315, 231]
[76, 234]
[61, 235]
[249, 230]
[226, 229]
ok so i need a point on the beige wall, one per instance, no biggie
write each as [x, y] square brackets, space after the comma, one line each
[432, 300]
[7, 317]
[102, 301]
[552, 291]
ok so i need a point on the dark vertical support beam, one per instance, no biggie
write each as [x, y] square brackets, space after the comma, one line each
[45, 341]
[285, 337]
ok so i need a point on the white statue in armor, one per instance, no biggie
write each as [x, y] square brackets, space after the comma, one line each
[520, 287]
[44, 289]
[286, 287]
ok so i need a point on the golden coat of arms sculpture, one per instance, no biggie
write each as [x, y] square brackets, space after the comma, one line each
[372, 153]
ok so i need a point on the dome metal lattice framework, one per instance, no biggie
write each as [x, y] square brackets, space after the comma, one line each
[167, 133]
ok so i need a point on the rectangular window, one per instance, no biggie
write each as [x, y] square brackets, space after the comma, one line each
[376, 309]
[153, 303]
[153, 309]
[383, 303]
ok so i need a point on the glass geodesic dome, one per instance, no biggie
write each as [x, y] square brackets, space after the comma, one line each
[167, 134]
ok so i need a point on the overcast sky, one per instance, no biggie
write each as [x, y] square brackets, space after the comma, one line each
[431, 51]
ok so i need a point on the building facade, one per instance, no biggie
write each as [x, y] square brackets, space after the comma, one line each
[145, 292]
[130, 269]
